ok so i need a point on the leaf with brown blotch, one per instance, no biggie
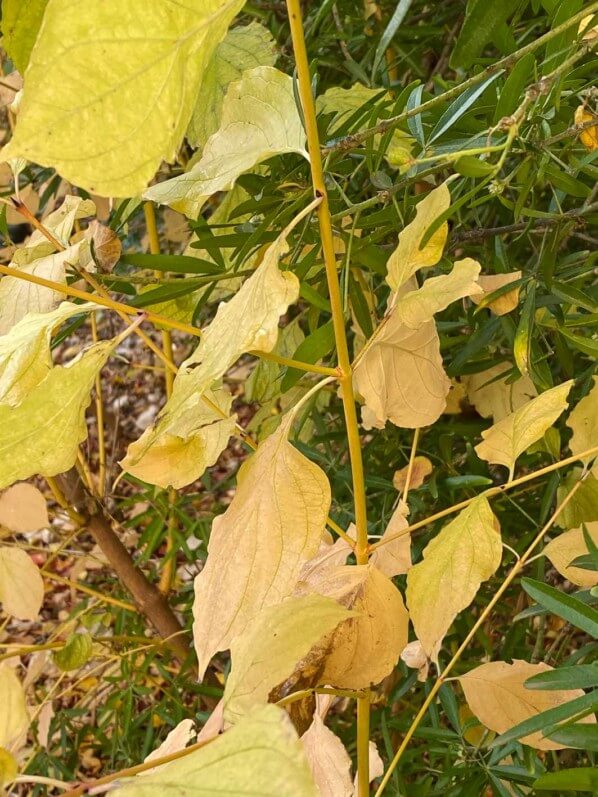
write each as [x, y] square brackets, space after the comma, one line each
[422, 468]
[394, 557]
[407, 258]
[492, 282]
[328, 760]
[267, 651]
[465, 553]
[258, 547]
[497, 695]
[494, 395]
[106, 246]
[567, 547]
[23, 508]
[510, 437]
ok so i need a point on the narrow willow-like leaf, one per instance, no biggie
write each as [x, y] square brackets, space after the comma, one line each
[510, 437]
[260, 756]
[259, 120]
[267, 651]
[14, 718]
[464, 554]
[91, 131]
[21, 585]
[497, 695]
[259, 545]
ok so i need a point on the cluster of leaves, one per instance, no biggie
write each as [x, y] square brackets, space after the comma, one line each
[459, 147]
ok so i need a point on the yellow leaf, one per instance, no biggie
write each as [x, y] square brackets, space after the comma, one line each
[510, 437]
[21, 20]
[242, 48]
[178, 738]
[492, 282]
[8, 767]
[192, 443]
[401, 376]
[328, 760]
[259, 545]
[23, 508]
[260, 756]
[394, 558]
[415, 658]
[106, 246]
[25, 357]
[496, 397]
[589, 136]
[583, 505]
[364, 649]
[42, 435]
[422, 468]
[583, 421]
[14, 718]
[417, 307]
[259, 120]
[266, 652]
[91, 131]
[565, 548]
[21, 585]
[497, 695]
[408, 257]
[465, 553]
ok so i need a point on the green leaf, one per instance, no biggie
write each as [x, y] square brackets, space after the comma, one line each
[583, 737]
[580, 676]
[311, 350]
[581, 779]
[179, 264]
[21, 20]
[121, 62]
[75, 653]
[390, 30]
[515, 84]
[566, 606]
[481, 21]
[524, 334]
[460, 106]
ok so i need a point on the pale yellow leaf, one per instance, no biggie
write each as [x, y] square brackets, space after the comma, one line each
[328, 555]
[19, 297]
[492, 282]
[422, 468]
[494, 395]
[259, 545]
[42, 435]
[465, 553]
[178, 738]
[14, 718]
[23, 508]
[408, 257]
[583, 421]
[21, 585]
[328, 760]
[25, 357]
[497, 695]
[259, 120]
[394, 557]
[192, 443]
[242, 48]
[567, 547]
[401, 377]
[416, 658]
[266, 652]
[582, 507]
[107, 129]
[503, 442]
[417, 307]
[260, 756]
[363, 650]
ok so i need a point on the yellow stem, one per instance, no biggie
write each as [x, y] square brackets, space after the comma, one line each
[517, 567]
[100, 596]
[338, 322]
[99, 420]
[410, 466]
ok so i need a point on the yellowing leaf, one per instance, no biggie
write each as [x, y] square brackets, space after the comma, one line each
[394, 558]
[408, 257]
[42, 435]
[583, 505]
[25, 357]
[565, 548]
[271, 645]
[496, 397]
[328, 760]
[91, 132]
[496, 694]
[417, 307]
[13, 717]
[192, 443]
[178, 738]
[8, 767]
[492, 282]
[510, 437]
[583, 421]
[23, 508]
[242, 48]
[260, 756]
[466, 552]
[21, 585]
[422, 468]
[401, 376]
[589, 136]
[21, 20]
[106, 246]
[364, 649]
[259, 545]
[259, 119]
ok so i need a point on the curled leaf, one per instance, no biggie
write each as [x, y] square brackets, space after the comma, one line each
[422, 468]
